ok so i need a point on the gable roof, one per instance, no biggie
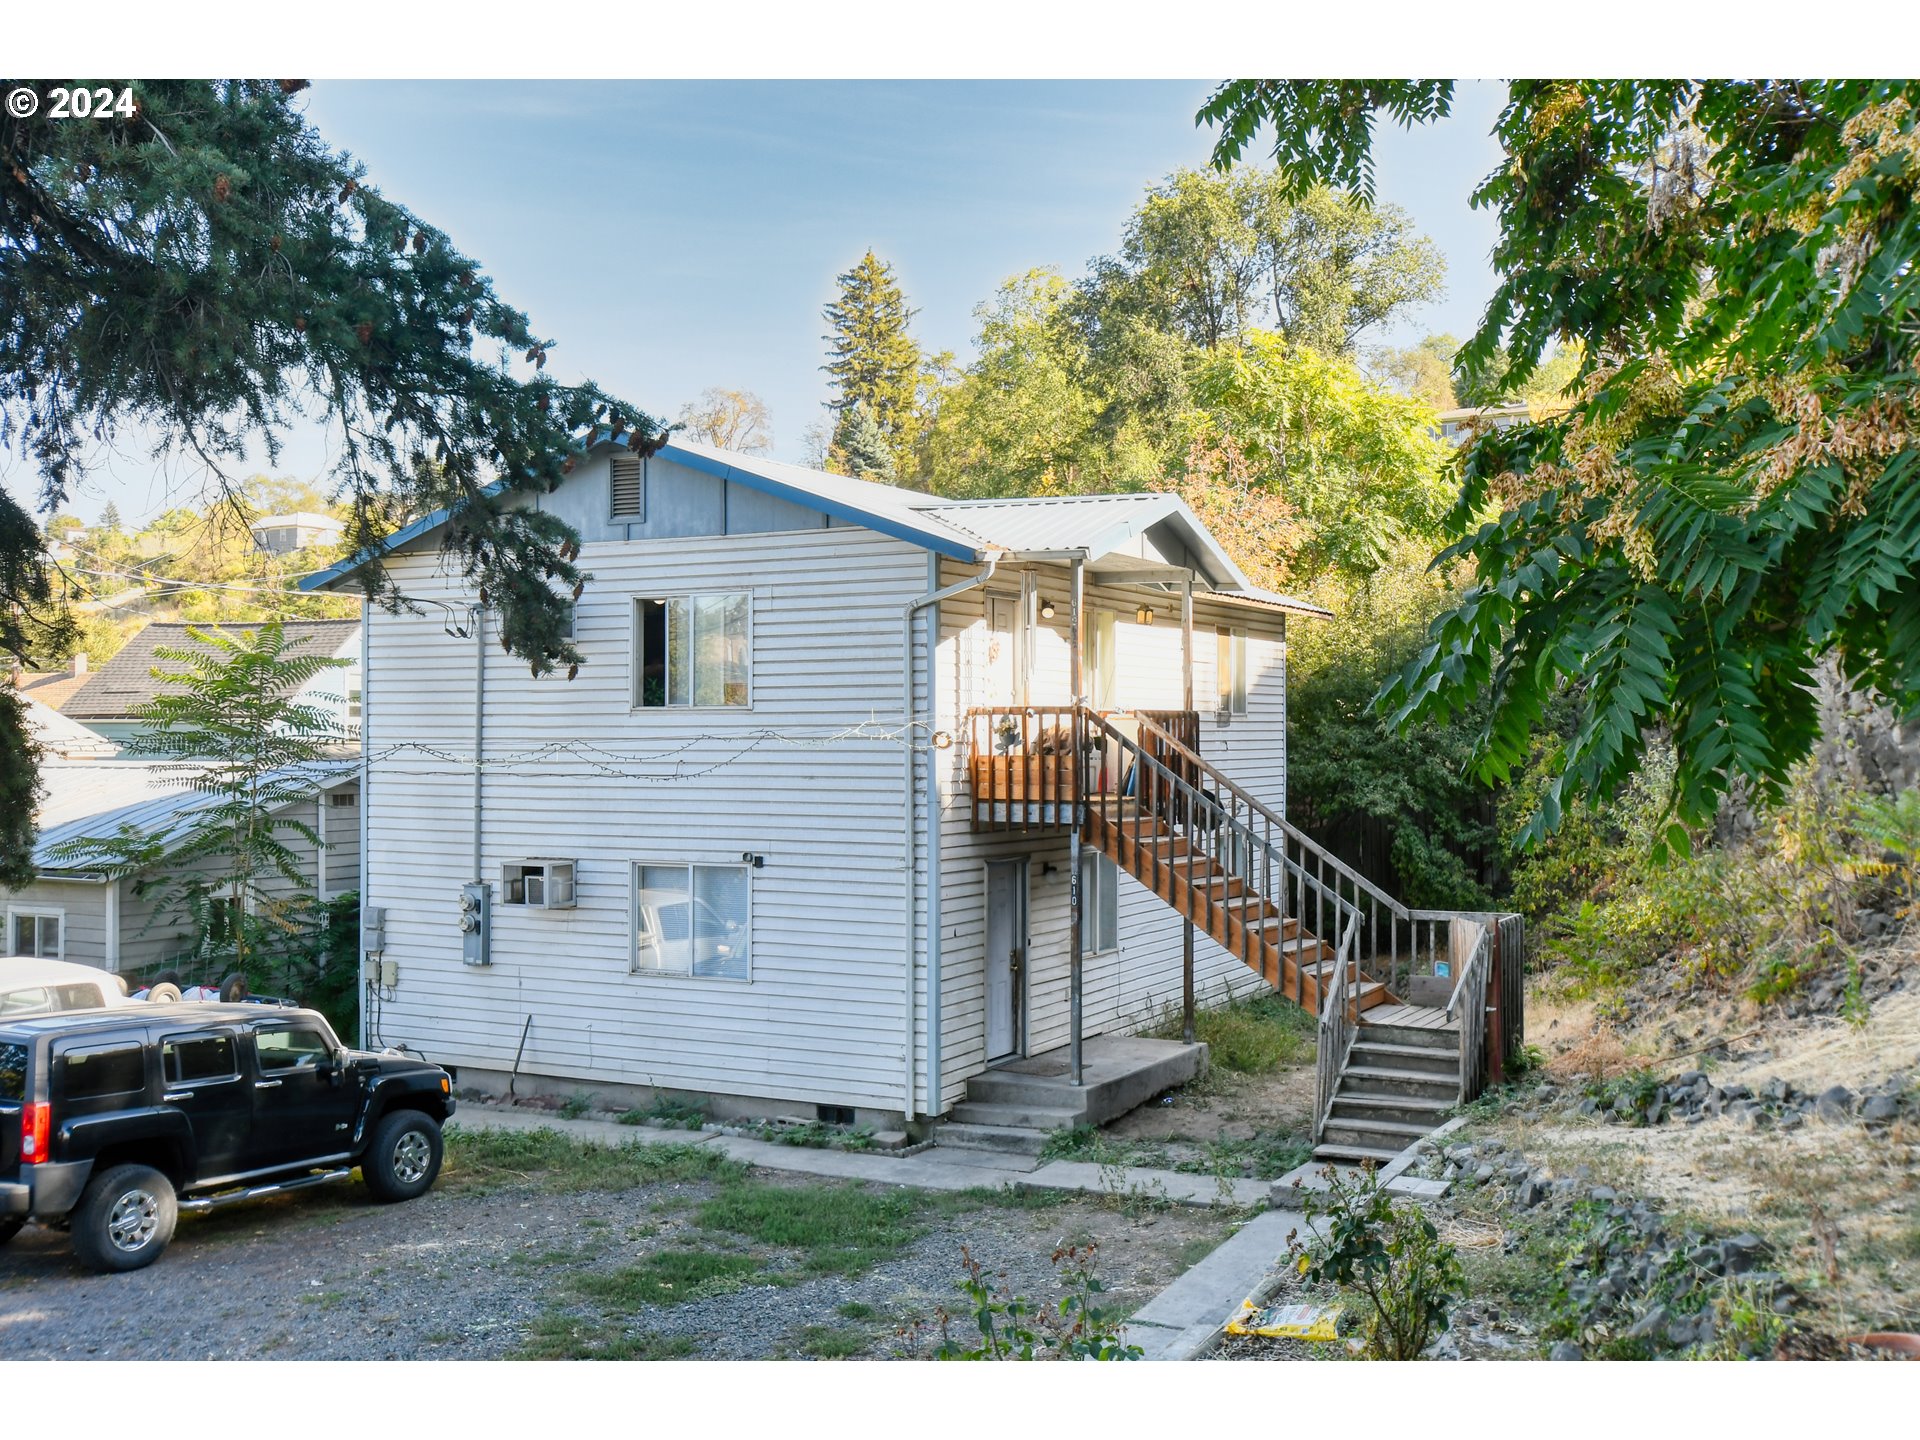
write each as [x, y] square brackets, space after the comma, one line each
[126, 681]
[52, 688]
[95, 798]
[67, 739]
[968, 530]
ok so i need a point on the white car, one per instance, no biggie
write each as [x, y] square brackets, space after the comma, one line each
[30, 986]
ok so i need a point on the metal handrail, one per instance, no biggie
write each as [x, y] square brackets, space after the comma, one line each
[1336, 1032]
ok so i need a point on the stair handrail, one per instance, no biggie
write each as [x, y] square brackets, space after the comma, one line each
[1292, 832]
[1471, 1017]
[1336, 1031]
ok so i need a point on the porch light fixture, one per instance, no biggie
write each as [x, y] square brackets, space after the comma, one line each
[1144, 614]
[942, 740]
[1046, 609]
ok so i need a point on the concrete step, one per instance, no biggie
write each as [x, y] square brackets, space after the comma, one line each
[1007, 1139]
[1384, 1080]
[1405, 1057]
[1394, 1134]
[1424, 1110]
[1018, 1117]
[1448, 1040]
[1009, 1089]
[1353, 1154]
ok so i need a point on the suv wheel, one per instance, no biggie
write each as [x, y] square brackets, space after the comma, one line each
[403, 1158]
[125, 1219]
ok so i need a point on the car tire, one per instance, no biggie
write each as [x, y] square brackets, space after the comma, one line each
[10, 1227]
[403, 1157]
[234, 989]
[165, 993]
[124, 1219]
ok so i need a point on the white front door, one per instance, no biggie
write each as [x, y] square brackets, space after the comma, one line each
[1006, 954]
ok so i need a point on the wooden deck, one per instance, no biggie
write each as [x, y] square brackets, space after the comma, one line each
[1415, 1017]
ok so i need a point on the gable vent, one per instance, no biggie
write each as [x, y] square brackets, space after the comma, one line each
[625, 482]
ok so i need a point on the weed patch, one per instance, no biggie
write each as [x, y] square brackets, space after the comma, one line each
[828, 1342]
[839, 1231]
[560, 1163]
[667, 1277]
[558, 1336]
[665, 1114]
[1251, 1037]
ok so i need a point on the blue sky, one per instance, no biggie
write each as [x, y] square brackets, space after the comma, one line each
[676, 235]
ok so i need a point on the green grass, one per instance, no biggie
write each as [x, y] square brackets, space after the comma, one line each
[541, 1259]
[855, 1310]
[667, 1277]
[1251, 1037]
[558, 1336]
[828, 1342]
[668, 1114]
[558, 1162]
[576, 1105]
[1000, 1197]
[1095, 1146]
[838, 1230]
[1271, 1156]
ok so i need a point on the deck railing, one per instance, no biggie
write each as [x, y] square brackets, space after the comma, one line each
[1021, 766]
[1467, 1008]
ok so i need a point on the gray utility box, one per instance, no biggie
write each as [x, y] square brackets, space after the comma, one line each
[476, 923]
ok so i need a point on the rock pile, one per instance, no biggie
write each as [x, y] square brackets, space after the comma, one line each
[1691, 1097]
[1633, 1282]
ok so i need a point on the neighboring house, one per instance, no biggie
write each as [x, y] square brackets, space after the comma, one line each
[53, 688]
[283, 534]
[62, 738]
[107, 702]
[74, 911]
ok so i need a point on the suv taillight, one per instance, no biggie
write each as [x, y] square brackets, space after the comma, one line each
[36, 1126]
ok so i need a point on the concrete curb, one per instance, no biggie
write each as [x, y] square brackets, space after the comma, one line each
[1183, 1321]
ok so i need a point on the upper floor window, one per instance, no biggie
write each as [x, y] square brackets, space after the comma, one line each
[1231, 669]
[690, 650]
[37, 932]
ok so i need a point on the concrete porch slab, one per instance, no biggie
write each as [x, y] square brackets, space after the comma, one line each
[1118, 1073]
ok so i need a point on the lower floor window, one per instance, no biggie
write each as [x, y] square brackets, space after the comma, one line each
[692, 920]
[36, 933]
[1099, 903]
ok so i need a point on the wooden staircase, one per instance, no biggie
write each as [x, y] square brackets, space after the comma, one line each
[1205, 847]
[1398, 1083]
[1245, 918]
[1313, 928]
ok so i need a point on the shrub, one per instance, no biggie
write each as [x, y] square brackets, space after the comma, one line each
[1390, 1254]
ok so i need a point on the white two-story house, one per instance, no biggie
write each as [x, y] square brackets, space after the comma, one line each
[803, 830]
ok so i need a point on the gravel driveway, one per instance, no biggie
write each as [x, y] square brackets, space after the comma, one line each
[492, 1271]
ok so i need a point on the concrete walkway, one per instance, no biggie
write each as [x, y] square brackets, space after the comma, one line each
[1183, 1320]
[936, 1169]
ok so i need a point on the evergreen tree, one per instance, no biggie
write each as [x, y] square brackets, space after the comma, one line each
[874, 361]
[861, 446]
[263, 276]
[110, 518]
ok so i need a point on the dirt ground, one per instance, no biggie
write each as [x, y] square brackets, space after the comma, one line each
[1228, 1107]
[498, 1270]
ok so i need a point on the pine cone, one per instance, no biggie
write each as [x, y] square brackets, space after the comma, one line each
[222, 188]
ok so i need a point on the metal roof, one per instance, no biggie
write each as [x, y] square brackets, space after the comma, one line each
[127, 680]
[97, 798]
[60, 736]
[969, 530]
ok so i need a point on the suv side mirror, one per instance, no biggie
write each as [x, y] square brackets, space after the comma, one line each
[336, 1067]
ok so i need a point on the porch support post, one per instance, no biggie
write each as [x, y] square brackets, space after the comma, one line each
[1075, 899]
[1186, 703]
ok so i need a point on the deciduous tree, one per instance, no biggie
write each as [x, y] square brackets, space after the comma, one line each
[1736, 491]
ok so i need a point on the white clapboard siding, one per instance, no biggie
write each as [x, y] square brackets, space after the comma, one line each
[82, 907]
[822, 1019]
[1137, 984]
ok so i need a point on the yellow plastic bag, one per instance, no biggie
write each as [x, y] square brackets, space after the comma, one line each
[1286, 1322]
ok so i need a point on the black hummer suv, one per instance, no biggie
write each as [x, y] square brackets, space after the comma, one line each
[113, 1121]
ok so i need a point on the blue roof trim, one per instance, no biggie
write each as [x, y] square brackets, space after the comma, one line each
[813, 500]
[406, 534]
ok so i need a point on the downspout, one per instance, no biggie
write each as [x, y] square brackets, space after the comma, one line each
[932, 598]
[366, 796]
[479, 725]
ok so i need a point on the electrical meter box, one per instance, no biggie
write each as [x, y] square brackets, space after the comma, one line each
[476, 912]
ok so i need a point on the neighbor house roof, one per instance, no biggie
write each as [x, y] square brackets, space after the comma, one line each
[85, 799]
[64, 738]
[52, 688]
[970, 530]
[127, 680]
[306, 519]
